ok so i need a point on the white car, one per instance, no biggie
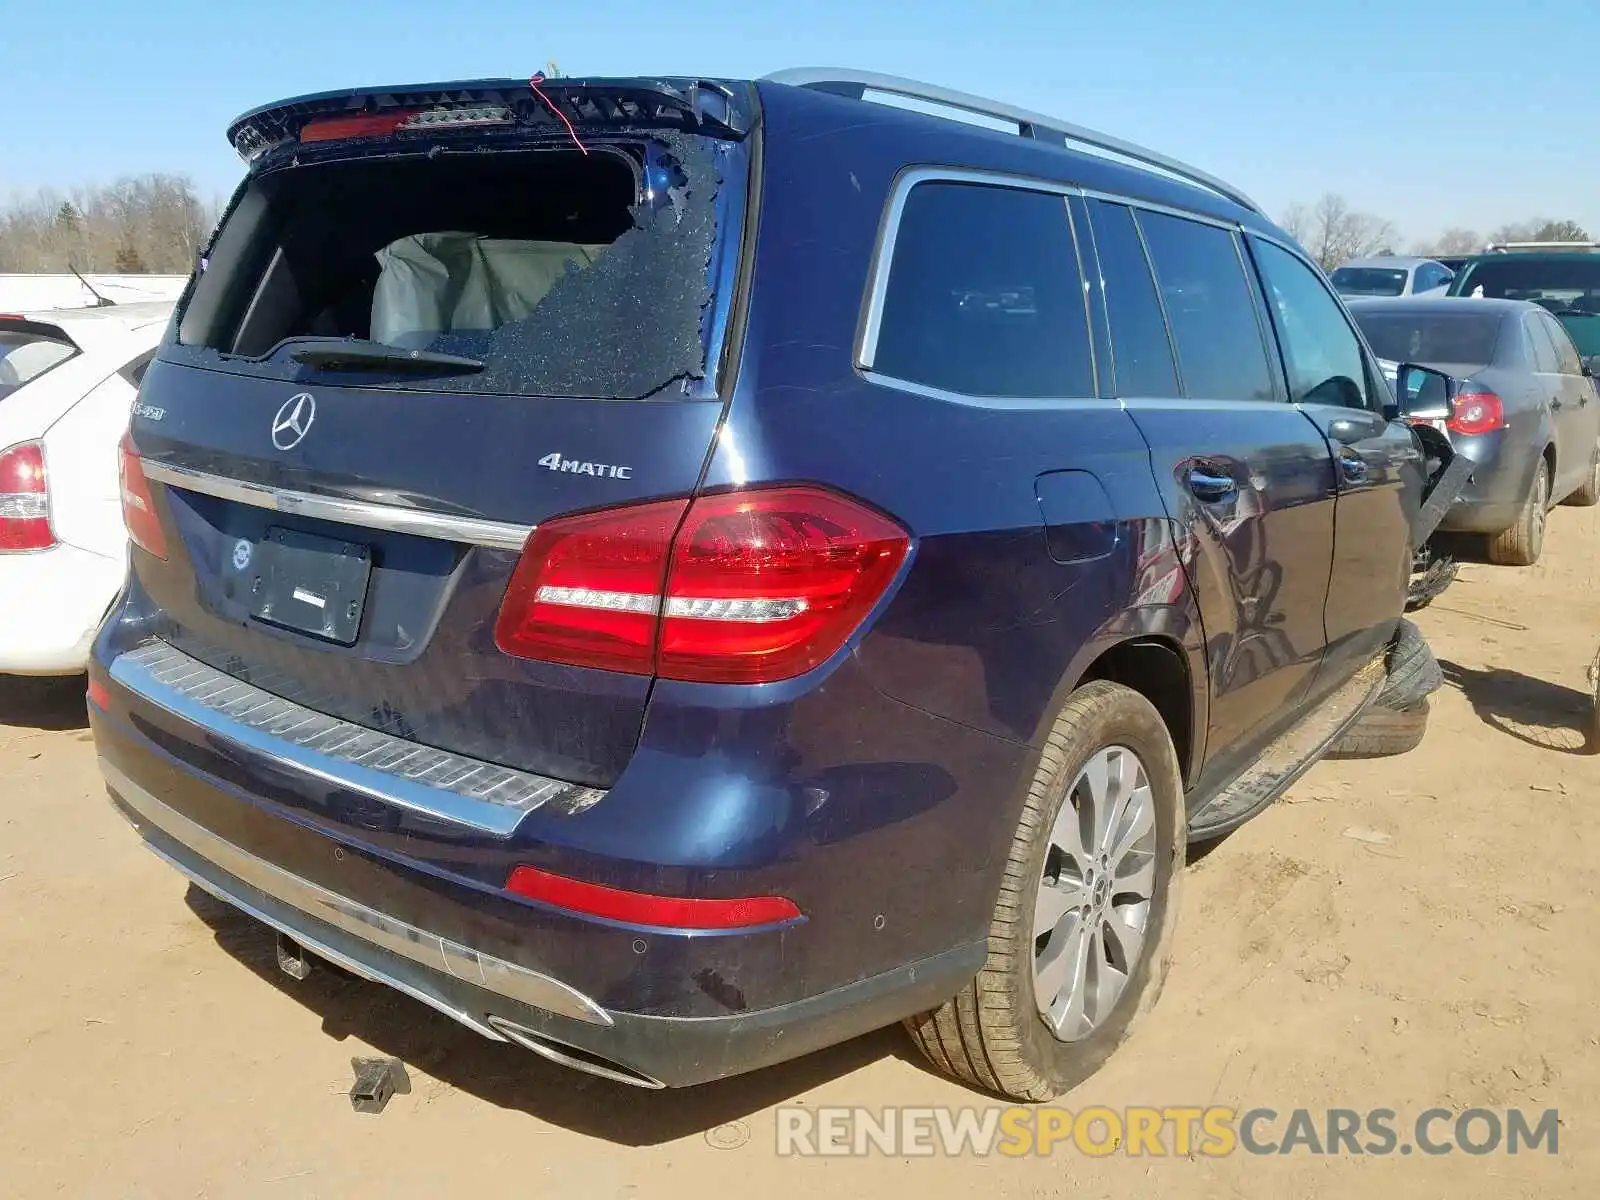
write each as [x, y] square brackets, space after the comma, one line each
[68, 380]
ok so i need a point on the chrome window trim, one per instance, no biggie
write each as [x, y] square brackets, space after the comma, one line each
[390, 518]
[366, 924]
[432, 784]
[1019, 403]
[1166, 209]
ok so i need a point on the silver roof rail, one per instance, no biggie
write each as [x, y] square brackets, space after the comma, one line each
[844, 81]
[1503, 247]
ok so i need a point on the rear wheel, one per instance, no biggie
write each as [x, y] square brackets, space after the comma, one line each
[1589, 494]
[1079, 939]
[1521, 545]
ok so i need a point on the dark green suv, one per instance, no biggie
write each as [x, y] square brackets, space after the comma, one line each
[1564, 281]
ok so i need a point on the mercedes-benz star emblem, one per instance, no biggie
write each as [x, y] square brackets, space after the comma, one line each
[293, 421]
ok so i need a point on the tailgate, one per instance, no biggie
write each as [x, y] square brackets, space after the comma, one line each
[404, 354]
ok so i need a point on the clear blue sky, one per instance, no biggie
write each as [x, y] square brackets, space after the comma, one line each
[1430, 112]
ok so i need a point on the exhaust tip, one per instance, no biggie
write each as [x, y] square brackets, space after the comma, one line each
[570, 1056]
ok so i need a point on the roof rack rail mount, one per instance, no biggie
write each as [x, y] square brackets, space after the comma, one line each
[852, 83]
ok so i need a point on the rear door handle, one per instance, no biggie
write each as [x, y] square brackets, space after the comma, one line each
[1555, 404]
[1209, 486]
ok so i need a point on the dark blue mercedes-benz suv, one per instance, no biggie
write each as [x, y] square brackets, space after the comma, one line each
[677, 573]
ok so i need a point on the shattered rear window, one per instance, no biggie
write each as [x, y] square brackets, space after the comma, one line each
[563, 273]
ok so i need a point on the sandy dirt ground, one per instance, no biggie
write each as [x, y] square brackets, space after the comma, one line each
[1404, 934]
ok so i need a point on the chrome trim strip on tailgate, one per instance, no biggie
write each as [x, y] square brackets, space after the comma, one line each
[392, 518]
[432, 951]
[445, 787]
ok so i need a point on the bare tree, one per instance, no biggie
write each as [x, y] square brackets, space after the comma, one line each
[1540, 229]
[1333, 232]
[143, 223]
[1454, 241]
[1296, 222]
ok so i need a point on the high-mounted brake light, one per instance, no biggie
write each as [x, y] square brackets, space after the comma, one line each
[1477, 411]
[24, 500]
[740, 587]
[642, 908]
[333, 129]
[138, 505]
[406, 120]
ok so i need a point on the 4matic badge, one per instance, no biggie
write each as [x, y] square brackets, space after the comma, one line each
[572, 466]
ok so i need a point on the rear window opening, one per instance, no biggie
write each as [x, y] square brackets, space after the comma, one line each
[27, 351]
[534, 271]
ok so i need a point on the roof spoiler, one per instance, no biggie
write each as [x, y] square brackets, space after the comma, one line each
[693, 105]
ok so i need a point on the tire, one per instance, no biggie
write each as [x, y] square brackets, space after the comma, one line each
[993, 1034]
[1384, 733]
[1521, 545]
[1414, 673]
[1589, 494]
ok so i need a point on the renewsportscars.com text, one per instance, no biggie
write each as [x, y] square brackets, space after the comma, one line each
[1172, 1131]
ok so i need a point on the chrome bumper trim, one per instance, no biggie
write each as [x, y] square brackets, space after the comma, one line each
[428, 949]
[445, 787]
[392, 518]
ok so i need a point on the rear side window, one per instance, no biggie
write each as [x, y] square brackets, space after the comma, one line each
[1141, 350]
[563, 273]
[985, 295]
[1211, 308]
[1567, 358]
[1545, 357]
[27, 351]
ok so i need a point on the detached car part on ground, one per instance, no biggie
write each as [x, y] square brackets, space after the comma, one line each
[757, 587]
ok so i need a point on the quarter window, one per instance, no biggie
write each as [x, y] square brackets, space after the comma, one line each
[1570, 363]
[1547, 359]
[985, 295]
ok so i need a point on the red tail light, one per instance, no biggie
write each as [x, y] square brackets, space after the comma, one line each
[1476, 412]
[24, 499]
[138, 506]
[641, 908]
[743, 587]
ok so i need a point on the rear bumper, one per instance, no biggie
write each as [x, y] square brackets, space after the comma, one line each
[51, 603]
[1491, 501]
[506, 1002]
[390, 862]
